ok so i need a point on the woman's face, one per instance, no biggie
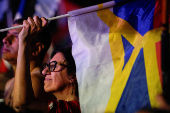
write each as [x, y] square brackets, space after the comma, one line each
[57, 80]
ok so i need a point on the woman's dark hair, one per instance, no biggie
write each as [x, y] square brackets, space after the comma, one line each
[69, 58]
[44, 37]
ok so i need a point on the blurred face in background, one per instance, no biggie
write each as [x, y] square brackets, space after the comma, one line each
[11, 45]
[56, 80]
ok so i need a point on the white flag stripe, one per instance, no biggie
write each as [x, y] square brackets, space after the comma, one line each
[92, 54]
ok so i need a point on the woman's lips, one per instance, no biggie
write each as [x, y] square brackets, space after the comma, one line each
[47, 79]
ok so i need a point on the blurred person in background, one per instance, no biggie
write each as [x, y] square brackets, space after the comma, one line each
[6, 73]
[25, 51]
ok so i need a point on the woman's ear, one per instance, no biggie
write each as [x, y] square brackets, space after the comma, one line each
[73, 79]
[36, 50]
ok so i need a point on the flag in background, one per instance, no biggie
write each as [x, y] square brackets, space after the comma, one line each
[4, 6]
[117, 55]
[61, 34]
[5, 17]
[41, 8]
[21, 9]
[46, 8]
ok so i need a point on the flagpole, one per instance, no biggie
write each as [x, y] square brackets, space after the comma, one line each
[73, 13]
[49, 19]
[165, 51]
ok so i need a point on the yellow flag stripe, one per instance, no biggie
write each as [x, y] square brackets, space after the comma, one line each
[120, 78]
[120, 27]
[152, 74]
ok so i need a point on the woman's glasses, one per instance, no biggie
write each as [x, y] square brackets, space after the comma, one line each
[54, 66]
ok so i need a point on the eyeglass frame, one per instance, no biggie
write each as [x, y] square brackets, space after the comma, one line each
[48, 65]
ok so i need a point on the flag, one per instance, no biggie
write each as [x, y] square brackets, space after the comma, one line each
[19, 14]
[117, 55]
[4, 6]
[25, 9]
[46, 8]
[41, 8]
[5, 16]
[61, 36]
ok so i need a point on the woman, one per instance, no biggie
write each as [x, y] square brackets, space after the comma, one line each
[60, 80]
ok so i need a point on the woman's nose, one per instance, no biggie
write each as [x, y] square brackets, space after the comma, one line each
[45, 71]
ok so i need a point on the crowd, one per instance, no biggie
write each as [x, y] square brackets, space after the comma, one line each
[35, 86]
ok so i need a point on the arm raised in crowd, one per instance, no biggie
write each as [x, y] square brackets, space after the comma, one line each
[26, 87]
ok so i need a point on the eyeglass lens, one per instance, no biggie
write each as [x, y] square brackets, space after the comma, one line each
[52, 66]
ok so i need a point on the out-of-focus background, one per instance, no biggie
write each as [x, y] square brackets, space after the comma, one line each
[14, 9]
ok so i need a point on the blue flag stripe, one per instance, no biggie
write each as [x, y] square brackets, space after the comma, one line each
[128, 48]
[136, 90]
